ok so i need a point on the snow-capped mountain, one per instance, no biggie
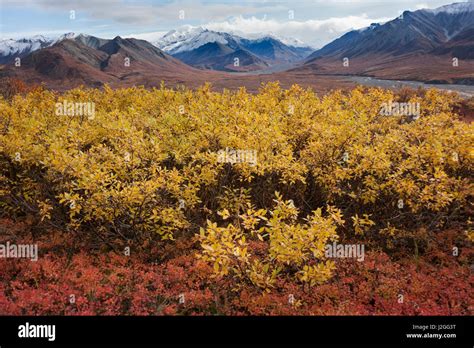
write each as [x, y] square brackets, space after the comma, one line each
[65, 36]
[10, 48]
[275, 51]
[369, 28]
[289, 41]
[456, 8]
[421, 45]
[421, 31]
[83, 59]
[208, 49]
[188, 38]
[197, 46]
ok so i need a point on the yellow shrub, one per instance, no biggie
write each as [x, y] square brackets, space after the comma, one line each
[292, 249]
[147, 163]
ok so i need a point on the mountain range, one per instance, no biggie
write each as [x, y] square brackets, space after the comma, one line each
[209, 49]
[417, 45]
[198, 47]
[420, 45]
[10, 48]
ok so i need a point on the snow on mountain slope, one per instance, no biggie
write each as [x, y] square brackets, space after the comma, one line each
[65, 36]
[190, 38]
[207, 49]
[10, 48]
[288, 41]
[420, 31]
[456, 8]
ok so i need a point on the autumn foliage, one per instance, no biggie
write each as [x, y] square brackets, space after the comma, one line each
[108, 283]
[143, 173]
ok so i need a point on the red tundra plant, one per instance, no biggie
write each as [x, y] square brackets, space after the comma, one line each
[72, 279]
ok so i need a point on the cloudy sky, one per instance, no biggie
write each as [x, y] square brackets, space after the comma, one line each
[315, 22]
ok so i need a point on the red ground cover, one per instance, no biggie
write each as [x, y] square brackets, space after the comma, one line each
[72, 279]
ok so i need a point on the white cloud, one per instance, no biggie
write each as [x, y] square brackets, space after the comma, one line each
[150, 37]
[317, 33]
[421, 6]
[139, 13]
[317, 22]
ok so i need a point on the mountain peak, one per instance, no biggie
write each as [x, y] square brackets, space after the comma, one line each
[372, 26]
[39, 38]
[71, 36]
[65, 36]
[457, 7]
[428, 32]
[119, 39]
[11, 48]
[188, 38]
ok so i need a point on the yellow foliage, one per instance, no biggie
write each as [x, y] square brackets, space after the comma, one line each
[290, 246]
[147, 163]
